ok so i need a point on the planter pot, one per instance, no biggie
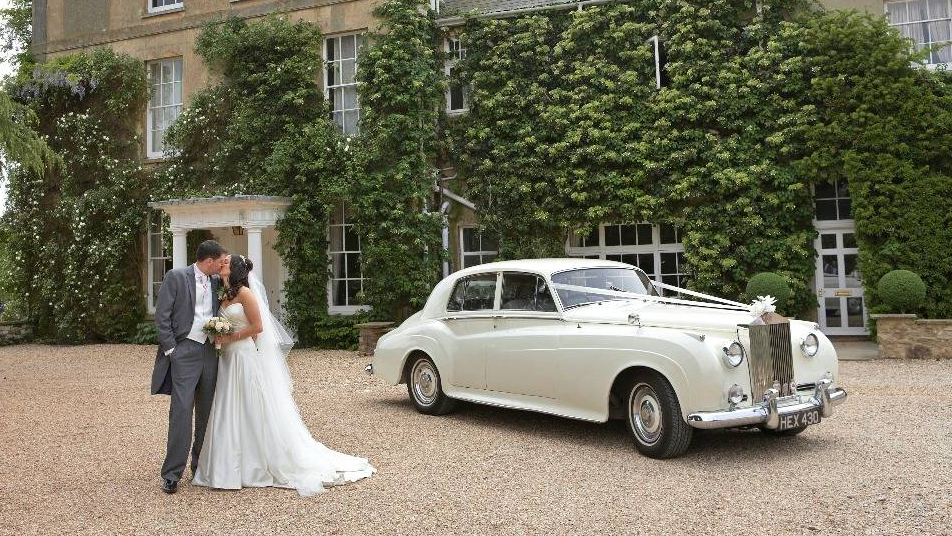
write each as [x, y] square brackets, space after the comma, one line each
[909, 337]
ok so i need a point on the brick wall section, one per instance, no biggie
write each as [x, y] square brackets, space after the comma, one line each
[14, 332]
[370, 333]
[908, 337]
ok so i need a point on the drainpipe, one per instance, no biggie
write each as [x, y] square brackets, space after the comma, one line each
[446, 235]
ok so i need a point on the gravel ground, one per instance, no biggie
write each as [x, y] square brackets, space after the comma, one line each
[82, 443]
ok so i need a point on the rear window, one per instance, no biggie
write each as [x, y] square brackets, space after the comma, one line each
[590, 285]
[473, 293]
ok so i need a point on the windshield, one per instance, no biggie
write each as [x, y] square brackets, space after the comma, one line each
[590, 285]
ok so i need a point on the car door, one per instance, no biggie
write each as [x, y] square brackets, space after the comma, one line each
[469, 319]
[528, 328]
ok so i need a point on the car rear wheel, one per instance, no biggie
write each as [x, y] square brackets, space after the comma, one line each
[654, 418]
[426, 391]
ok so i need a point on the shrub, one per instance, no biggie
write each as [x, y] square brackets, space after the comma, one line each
[145, 334]
[769, 284]
[903, 291]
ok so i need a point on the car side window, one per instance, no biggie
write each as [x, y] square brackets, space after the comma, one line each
[526, 292]
[473, 293]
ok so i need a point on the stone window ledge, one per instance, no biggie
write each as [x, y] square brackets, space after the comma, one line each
[148, 15]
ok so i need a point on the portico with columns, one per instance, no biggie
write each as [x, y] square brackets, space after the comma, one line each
[242, 224]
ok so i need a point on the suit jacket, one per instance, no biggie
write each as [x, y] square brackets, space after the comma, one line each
[174, 314]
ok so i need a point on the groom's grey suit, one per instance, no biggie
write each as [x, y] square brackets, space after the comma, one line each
[189, 373]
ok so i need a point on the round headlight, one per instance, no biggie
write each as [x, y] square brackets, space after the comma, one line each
[735, 395]
[810, 345]
[733, 354]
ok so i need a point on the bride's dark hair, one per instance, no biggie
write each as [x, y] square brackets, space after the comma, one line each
[240, 268]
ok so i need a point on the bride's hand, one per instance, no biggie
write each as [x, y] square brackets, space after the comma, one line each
[224, 339]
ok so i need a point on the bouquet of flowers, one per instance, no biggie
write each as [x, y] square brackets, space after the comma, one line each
[216, 327]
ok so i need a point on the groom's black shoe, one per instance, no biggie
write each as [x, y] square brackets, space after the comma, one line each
[170, 486]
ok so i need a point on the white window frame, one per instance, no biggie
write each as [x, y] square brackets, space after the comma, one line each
[341, 309]
[836, 198]
[480, 253]
[454, 55]
[358, 41]
[176, 5]
[929, 63]
[178, 66]
[656, 248]
[152, 237]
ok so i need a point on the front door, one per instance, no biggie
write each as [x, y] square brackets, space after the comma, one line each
[839, 283]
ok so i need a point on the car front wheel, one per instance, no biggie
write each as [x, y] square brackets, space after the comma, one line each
[426, 391]
[654, 418]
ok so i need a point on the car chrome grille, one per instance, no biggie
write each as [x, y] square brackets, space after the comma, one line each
[770, 358]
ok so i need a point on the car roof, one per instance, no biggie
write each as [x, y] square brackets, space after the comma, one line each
[545, 266]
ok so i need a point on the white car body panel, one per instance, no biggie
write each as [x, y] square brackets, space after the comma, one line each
[566, 362]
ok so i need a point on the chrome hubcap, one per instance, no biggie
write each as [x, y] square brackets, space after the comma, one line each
[645, 413]
[424, 382]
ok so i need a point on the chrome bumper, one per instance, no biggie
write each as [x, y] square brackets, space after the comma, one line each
[768, 413]
[369, 369]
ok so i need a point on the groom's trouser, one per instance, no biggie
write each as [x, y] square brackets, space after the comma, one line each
[194, 373]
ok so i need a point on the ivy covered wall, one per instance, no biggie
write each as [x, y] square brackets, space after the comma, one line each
[566, 130]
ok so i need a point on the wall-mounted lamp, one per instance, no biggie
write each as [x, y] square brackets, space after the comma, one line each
[237, 230]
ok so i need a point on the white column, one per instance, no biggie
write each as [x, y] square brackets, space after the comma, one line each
[254, 250]
[179, 248]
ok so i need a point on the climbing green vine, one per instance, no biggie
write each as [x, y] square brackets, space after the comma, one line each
[566, 130]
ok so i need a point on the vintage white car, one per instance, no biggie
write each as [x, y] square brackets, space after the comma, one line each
[594, 340]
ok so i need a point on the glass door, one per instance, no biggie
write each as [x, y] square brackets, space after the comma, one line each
[839, 283]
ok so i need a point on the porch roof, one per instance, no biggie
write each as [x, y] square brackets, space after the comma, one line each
[249, 211]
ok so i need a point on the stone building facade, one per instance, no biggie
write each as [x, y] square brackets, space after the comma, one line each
[162, 34]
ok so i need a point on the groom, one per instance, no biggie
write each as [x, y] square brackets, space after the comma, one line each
[186, 364]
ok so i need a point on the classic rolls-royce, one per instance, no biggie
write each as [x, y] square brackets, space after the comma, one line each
[595, 339]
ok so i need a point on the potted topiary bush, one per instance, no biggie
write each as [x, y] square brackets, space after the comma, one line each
[902, 291]
[769, 284]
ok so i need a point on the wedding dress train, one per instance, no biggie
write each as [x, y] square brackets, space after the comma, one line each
[255, 435]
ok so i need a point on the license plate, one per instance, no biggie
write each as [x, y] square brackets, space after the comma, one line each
[796, 420]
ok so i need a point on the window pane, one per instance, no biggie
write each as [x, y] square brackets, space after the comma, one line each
[480, 293]
[943, 55]
[158, 270]
[544, 301]
[338, 265]
[350, 121]
[827, 241]
[353, 265]
[613, 258]
[854, 312]
[339, 292]
[628, 235]
[456, 97]
[348, 47]
[842, 189]
[669, 263]
[488, 258]
[347, 70]
[851, 269]
[471, 260]
[353, 287]
[832, 306]
[938, 9]
[612, 235]
[349, 98]
[825, 190]
[456, 299]
[849, 240]
[826, 209]
[831, 271]
[644, 234]
[646, 263]
[898, 12]
[332, 49]
[470, 239]
[518, 291]
[351, 240]
[158, 139]
[846, 209]
[918, 10]
[669, 235]
[939, 31]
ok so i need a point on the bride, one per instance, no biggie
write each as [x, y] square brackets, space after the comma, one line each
[255, 436]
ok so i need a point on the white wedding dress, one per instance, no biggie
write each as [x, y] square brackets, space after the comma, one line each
[255, 436]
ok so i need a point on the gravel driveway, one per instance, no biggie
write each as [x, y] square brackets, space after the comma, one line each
[82, 443]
